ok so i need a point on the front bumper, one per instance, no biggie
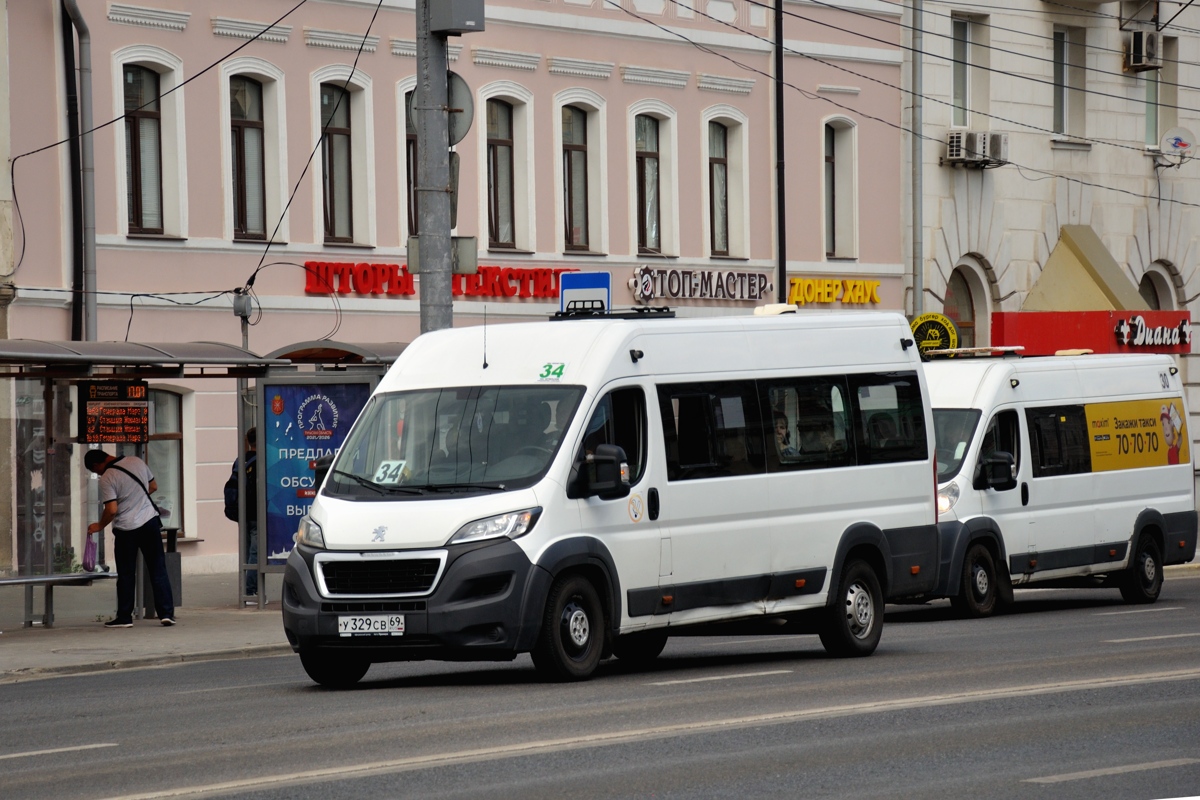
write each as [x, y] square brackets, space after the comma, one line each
[486, 606]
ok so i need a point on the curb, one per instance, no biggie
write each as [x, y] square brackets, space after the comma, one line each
[40, 673]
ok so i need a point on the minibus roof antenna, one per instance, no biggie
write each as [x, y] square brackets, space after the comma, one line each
[485, 335]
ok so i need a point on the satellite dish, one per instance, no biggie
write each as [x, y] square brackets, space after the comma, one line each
[1178, 142]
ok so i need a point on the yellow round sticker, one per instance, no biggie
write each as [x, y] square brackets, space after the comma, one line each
[636, 507]
[934, 332]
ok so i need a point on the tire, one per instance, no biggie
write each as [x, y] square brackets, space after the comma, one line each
[640, 648]
[334, 670]
[1143, 581]
[570, 642]
[977, 597]
[854, 622]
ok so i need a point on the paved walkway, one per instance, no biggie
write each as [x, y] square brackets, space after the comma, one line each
[210, 626]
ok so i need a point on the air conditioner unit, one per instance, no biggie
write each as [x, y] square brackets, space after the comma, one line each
[966, 147]
[997, 149]
[1142, 51]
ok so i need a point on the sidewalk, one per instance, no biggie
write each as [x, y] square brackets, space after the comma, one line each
[210, 626]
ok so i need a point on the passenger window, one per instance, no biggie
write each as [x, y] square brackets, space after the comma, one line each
[1058, 439]
[620, 419]
[711, 429]
[808, 427]
[1003, 435]
[889, 418]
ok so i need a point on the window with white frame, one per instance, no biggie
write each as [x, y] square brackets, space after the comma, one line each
[969, 77]
[1162, 93]
[718, 188]
[575, 177]
[501, 227]
[247, 148]
[649, 220]
[1070, 110]
[343, 134]
[840, 182]
[164, 454]
[143, 150]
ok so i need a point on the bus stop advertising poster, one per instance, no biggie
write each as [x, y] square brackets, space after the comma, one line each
[303, 423]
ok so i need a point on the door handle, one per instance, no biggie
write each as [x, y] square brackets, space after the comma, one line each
[1024, 493]
[652, 503]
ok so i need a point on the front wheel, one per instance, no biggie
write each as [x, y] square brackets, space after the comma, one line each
[977, 598]
[854, 622]
[570, 642]
[334, 670]
[1143, 581]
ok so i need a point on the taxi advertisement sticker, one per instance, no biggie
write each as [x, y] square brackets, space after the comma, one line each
[1137, 433]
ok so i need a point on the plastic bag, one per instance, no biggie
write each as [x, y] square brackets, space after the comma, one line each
[89, 553]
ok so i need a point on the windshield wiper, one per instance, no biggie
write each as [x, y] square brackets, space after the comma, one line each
[380, 487]
[450, 487]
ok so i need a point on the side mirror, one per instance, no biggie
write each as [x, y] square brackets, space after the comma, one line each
[321, 469]
[996, 471]
[612, 473]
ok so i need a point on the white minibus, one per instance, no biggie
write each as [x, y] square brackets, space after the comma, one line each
[1060, 471]
[588, 486]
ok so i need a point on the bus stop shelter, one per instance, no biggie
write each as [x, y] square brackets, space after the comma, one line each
[48, 508]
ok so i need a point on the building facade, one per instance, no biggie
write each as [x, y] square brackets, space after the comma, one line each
[272, 146]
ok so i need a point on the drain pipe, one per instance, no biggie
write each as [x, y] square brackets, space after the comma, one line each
[88, 171]
[68, 44]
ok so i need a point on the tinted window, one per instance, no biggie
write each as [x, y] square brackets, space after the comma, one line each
[953, 429]
[1058, 440]
[711, 429]
[889, 424]
[808, 424]
[620, 419]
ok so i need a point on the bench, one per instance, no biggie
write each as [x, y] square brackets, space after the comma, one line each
[50, 581]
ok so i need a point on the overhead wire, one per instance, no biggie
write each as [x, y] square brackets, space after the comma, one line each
[895, 125]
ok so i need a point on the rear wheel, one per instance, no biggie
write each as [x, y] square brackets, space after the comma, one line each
[572, 635]
[1143, 580]
[977, 598]
[854, 622]
[334, 670]
[640, 648]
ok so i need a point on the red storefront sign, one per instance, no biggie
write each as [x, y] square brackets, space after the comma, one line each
[1042, 333]
[328, 277]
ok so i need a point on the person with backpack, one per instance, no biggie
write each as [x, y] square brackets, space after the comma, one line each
[231, 508]
[126, 484]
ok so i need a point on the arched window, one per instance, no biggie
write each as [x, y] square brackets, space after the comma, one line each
[410, 151]
[143, 150]
[500, 174]
[575, 175]
[1149, 292]
[960, 307]
[646, 147]
[718, 188]
[336, 149]
[249, 173]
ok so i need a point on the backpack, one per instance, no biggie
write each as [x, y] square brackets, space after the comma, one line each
[231, 490]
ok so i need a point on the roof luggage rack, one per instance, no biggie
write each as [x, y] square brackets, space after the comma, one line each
[976, 352]
[594, 309]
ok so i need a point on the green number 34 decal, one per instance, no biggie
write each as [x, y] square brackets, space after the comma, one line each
[552, 372]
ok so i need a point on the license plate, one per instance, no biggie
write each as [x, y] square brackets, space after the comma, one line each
[371, 625]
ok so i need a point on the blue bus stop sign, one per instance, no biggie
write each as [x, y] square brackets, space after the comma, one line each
[585, 291]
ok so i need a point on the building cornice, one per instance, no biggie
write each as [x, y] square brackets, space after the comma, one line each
[723, 83]
[580, 68]
[652, 76]
[407, 48]
[125, 14]
[339, 40]
[509, 59]
[247, 29]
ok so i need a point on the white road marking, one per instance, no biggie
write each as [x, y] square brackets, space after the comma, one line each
[59, 750]
[721, 677]
[753, 640]
[1138, 611]
[242, 686]
[1100, 773]
[538, 747]
[1151, 638]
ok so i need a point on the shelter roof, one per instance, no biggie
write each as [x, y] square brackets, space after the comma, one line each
[70, 359]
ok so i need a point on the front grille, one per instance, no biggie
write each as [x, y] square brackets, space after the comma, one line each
[369, 607]
[399, 576]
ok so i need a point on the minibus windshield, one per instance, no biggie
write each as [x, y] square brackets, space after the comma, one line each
[470, 439]
[953, 429]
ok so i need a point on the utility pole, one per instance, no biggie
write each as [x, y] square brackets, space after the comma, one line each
[433, 173]
[781, 293]
[918, 164]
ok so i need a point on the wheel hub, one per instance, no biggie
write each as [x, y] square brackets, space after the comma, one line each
[981, 581]
[577, 627]
[860, 610]
[1149, 568]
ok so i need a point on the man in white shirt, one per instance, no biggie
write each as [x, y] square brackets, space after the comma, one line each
[125, 487]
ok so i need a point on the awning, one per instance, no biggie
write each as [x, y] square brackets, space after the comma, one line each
[324, 351]
[70, 359]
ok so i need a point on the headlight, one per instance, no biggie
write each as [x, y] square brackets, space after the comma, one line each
[947, 497]
[512, 525]
[309, 533]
